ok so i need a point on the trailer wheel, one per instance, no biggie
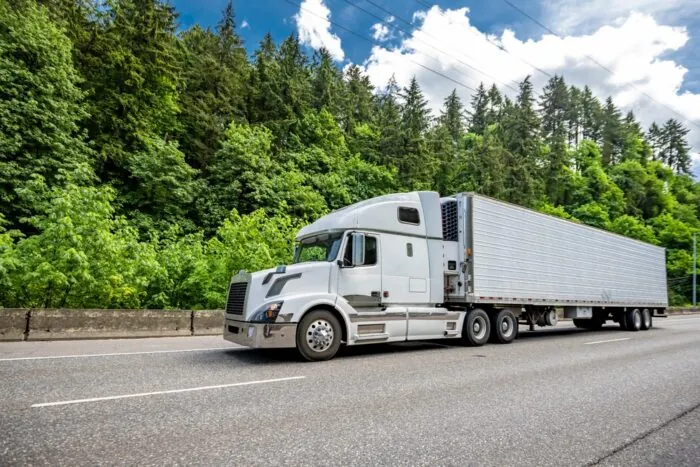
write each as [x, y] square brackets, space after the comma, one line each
[503, 326]
[477, 327]
[318, 335]
[634, 320]
[646, 319]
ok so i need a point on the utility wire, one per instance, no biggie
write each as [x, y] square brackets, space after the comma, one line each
[424, 42]
[360, 36]
[500, 47]
[519, 10]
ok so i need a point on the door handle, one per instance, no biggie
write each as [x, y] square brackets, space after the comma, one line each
[375, 293]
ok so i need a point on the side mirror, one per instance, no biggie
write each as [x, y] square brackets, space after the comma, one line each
[358, 249]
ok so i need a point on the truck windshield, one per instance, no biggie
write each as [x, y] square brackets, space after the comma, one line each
[319, 248]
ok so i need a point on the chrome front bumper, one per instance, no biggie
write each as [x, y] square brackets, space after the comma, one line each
[260, 335]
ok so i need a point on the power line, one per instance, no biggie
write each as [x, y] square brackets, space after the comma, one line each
[519, 10]
[360, 36]
[500, 47]
[424, 42]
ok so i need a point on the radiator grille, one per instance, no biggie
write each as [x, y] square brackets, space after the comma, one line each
[236, 298]
[449, 220]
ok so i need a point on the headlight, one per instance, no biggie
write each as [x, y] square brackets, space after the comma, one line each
[268, 312]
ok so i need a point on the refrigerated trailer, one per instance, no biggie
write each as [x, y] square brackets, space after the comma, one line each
[417, 266]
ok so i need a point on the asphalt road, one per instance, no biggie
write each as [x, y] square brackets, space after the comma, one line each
[558, 397]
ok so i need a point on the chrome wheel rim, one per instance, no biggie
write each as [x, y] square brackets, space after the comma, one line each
[479, 327]
[506, 327]
[320, 335]
[647, 319]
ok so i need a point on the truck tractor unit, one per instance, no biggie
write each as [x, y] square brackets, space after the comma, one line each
[417, 266]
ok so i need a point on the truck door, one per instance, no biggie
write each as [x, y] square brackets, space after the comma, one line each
[361, 285]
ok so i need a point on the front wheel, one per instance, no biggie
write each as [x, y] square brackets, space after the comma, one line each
[318, 335]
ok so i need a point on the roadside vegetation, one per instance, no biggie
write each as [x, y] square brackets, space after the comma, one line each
[140, 165]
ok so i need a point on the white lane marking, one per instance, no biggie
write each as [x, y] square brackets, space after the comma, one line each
[610, 340]
[171, 391]
[209, 349]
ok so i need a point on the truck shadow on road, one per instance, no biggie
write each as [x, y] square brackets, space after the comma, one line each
[266, 356]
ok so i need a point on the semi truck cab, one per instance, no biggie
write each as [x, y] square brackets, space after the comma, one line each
[370, 272]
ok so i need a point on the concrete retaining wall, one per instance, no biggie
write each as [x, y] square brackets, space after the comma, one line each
[55, 324]
[13, 324]
[102, 324]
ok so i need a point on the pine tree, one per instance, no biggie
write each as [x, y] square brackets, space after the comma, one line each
[452, 117]
[676, 152]
[521, 137]
[655, 137]
[266, 103]
[359, 105]
[592, 116]
[479, 112]
[215, 72]
[574, 115]
[389, 124]
[495, 103]
[327, 83]
[554, 104]
[416, 166]
[613, 137]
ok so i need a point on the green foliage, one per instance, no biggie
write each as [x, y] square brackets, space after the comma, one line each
[141, 166]
[40, 105]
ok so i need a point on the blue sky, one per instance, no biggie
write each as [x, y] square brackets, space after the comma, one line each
[643, 42]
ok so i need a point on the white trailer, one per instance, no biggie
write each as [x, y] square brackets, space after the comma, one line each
[414, 266]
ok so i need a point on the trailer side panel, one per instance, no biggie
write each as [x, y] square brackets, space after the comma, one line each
[522, 256]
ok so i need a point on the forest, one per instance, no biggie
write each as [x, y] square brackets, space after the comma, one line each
[142, 164]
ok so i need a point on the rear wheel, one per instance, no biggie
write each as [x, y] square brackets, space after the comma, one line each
[503, 326]
[318, 335]
[476, 329]
[634, 320]
[646, 319]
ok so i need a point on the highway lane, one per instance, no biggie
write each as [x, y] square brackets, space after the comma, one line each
[556, 397]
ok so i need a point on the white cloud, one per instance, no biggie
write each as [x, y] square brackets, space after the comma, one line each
[632, 49]
[313, 25]
[245, 24]
[380, 32]
[567, 16]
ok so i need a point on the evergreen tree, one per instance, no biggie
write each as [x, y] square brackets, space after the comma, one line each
[521, 136]
[389, 124]
[613, 137]
[452, 117]
[359, 105]
[416, 166]
[574, 116]
[495, 103]
[554, 103]
[675, 149]
[265, 103]
[327, 83]
[215, 72]
[591, 114]
[479, 112]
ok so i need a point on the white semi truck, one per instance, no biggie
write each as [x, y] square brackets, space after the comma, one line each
[415, 266]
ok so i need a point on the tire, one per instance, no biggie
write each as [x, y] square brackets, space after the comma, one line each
[503, 326]
[622, 317]
[646, 319]
[477, 328]
[318, 335]
[634, 320]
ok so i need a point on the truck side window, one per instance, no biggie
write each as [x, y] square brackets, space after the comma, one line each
[370, 251]
[409, 215]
